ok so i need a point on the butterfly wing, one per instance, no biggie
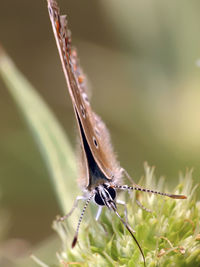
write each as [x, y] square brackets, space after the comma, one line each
[95, 131]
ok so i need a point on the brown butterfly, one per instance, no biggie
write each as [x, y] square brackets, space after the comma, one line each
[101, 172]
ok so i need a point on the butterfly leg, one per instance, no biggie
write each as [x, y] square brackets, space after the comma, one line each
[143, 207]
[72, 209]
[131, 180]
[121, 202]
[128, 176]
[98, 213]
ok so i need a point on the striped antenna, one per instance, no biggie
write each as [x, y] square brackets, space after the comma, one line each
[80, 220]
[126, 187]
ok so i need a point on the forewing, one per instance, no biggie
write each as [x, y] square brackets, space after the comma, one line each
[94, 129]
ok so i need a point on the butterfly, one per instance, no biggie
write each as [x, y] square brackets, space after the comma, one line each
[101, 172]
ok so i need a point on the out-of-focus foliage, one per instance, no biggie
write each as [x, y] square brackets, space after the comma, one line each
[48, 134]
[51, 141]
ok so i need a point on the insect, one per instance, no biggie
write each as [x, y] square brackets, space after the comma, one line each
[102, 174]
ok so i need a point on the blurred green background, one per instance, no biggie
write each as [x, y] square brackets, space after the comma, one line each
[141, 60]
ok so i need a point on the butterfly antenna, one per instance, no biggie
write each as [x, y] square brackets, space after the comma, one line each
[126, 187]
[80, 220]
[138, 188]
[130, 231]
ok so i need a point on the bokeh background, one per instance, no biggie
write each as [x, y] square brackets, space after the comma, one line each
[142, 60]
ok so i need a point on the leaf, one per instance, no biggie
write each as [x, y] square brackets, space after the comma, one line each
[48, 133]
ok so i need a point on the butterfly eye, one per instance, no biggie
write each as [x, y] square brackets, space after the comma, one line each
[112, 192]
[98, 199]
[95, 142]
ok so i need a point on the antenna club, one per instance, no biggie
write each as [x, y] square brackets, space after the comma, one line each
[74, 241]
[178, 196]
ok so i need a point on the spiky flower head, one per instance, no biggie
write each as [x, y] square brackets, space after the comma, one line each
[169, 235]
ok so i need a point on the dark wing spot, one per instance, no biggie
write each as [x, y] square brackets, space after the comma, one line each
[82, 111]
[85, 97]
[97, 131]
[95, 142]
[50, 11]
